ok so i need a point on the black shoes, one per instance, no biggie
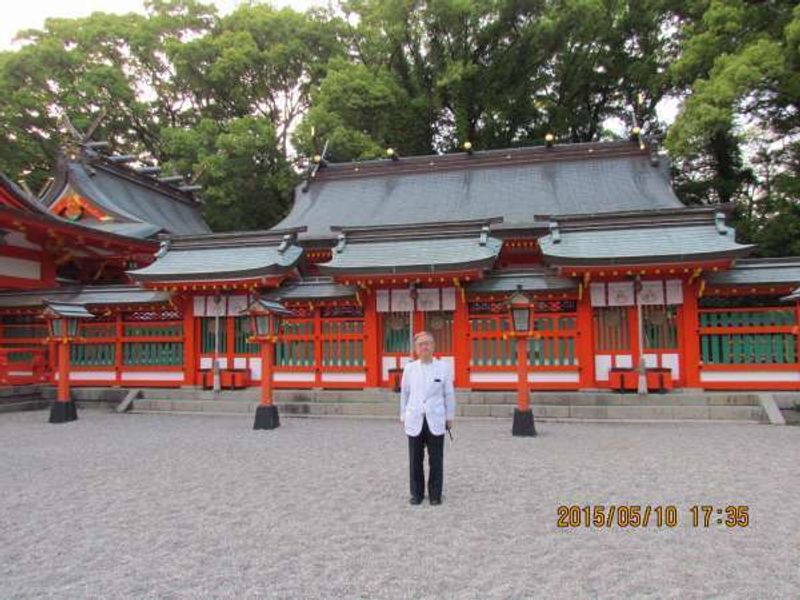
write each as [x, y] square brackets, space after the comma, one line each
[416, 500]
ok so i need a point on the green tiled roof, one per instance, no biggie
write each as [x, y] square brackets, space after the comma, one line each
[128, 196]
[69, 309]
[641, 244]
[20, 195]
[514, 184]
[759, 271]
[313, 288]
[88, 295]
[135, 230]
[413, 256]
[528, 280]
[221, 256]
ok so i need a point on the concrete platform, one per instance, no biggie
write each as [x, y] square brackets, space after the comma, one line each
[556, 406]
[20, 398]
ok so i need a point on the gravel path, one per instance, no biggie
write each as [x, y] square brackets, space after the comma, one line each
[149, 506]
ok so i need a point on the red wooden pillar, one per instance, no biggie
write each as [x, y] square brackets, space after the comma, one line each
[49, 272]
[190, 362]
[317, 343]
[63, 409]
[584, 339]
[691, 336]
[229, 323]
[523, 395]
[371, 353]
[797, 335]
[63, 371]
[52, 359]
[266, 413]
[4, 359]
[119, 328]
[636, 349]
[523, 423]
[461, 340]
[266, 372]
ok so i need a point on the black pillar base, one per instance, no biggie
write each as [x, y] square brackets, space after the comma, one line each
[63, 412]
[267, 417]
[523, 423]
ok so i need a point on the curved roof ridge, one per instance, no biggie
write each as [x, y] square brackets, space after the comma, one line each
[562, 180]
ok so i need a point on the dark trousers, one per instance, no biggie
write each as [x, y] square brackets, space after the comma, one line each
[416, 454]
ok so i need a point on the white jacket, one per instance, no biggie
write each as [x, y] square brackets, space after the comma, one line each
[437, 401]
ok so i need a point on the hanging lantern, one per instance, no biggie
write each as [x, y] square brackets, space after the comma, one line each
[520, 312]
[63, 318]
[266, 317]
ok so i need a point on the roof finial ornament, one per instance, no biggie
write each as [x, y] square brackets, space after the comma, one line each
[555, 232]
[286, 241]
[163, 248]
[719, 222]
[317, 161]
[341, 242]
[636, 131]
[484, 235]
[83, 139]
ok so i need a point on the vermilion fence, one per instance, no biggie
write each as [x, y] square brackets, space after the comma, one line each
[748, 343]
[552, 349]
[141, 347]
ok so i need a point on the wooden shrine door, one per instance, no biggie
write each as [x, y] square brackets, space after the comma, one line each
[630, 324]
[223, 333]
[661, 339]
[614, 334]
[401, 316]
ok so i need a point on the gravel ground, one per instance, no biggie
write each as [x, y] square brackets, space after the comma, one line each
[163, 506]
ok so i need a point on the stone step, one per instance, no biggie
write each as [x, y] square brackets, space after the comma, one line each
[15, 391]
[545, 411]
[288, 408]
[89, 394]
[463, 397]
[669, 399]
[21, 397]
[588, 405]
[21, 405]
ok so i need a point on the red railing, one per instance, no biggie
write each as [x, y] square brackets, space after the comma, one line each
[22, 365]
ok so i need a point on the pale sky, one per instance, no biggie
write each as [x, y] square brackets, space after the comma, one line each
[27, 14]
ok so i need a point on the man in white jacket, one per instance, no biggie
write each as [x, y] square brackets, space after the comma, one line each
[427, 408]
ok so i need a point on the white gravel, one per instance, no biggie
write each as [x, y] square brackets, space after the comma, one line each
[148, 506]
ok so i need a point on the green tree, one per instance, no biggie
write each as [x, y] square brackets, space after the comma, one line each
[169, 80]
[80, 67]
[497, 72]
[258, 61]
[247, 179]
[739, 66]
[359, 111]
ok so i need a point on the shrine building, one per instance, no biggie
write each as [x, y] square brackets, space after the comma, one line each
[619, 272]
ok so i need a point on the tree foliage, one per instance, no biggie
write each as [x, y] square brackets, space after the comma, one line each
[230, 99]
[739, 66]
[498, 73]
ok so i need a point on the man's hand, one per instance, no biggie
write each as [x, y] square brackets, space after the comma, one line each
[449, 423]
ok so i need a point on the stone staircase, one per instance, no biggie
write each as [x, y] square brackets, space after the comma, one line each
[560, 406]
[743, 407]
[21, 397]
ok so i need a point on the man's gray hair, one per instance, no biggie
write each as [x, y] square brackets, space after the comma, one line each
[424, 334]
